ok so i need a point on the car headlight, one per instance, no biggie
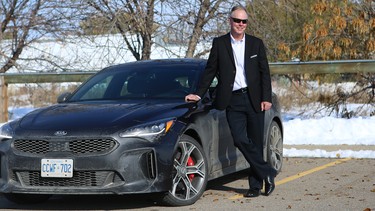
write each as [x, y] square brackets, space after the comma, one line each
[6, 131]
[150, 131]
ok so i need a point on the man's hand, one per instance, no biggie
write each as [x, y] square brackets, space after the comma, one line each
[192, 98]
[265, 106]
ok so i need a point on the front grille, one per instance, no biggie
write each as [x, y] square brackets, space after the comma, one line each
[79, 179]
[13, 176]
[91, 146]
[32, 146]
[84, 146]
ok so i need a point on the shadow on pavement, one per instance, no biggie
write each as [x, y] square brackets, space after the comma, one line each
[109, 202]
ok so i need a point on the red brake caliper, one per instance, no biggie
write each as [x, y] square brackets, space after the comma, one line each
[190, 162]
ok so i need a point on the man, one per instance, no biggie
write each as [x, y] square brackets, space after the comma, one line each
[244, 90]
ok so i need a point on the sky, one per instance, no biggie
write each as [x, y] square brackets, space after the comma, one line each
[311, 136]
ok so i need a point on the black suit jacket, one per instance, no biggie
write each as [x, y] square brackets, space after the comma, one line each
[221, 64]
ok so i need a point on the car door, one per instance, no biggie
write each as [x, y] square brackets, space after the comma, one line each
[225, 157]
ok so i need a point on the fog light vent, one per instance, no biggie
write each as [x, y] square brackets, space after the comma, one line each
[151, 165]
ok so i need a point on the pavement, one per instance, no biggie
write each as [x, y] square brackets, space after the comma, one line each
[304, 184]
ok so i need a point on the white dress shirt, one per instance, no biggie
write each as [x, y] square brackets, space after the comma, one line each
[238, 47]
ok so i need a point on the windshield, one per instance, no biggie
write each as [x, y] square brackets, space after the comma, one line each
[145, 82]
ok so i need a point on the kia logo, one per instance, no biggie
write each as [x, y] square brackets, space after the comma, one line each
[60, 133]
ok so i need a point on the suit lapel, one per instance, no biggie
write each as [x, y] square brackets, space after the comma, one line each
[228, 45]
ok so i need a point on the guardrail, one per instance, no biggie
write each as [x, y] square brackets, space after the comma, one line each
[14, 78]
[323, 67]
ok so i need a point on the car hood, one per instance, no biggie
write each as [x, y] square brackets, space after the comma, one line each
[81, 116]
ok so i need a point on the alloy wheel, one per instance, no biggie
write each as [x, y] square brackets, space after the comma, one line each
[275, 147]
[189, 173]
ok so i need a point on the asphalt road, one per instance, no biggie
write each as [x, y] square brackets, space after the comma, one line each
[304, 184]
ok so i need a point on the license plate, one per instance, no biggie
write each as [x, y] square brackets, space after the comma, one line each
[62, 168]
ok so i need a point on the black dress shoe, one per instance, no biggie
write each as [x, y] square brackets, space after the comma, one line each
[269, 185]
[252, 193]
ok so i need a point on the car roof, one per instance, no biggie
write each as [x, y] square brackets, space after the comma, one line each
[158, 62]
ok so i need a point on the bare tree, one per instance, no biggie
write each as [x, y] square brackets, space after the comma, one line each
[143, 23]
[190, 23]
[133, 19]
[206, 12]
[24, 22]
[18, 18]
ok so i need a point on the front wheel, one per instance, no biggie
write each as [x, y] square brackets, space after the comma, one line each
[189, 173]
[275, 146]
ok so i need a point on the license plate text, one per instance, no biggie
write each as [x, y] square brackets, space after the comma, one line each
[57, 168]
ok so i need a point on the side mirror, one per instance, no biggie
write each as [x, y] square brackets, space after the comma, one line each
[63, 97]
[205, 100]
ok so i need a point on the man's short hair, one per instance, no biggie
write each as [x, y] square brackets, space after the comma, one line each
[238, 7]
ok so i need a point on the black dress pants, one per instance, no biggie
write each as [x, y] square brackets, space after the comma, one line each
[247, 128]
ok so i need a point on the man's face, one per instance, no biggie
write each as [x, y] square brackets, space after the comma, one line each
[238, 22]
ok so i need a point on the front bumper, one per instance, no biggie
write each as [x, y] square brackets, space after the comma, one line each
[125, 166]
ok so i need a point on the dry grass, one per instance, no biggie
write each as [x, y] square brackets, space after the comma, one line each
[37, 95]
[325, 93]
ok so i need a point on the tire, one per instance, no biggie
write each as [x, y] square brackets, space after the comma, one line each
[190, 175]
[19, 198]
[275, 147]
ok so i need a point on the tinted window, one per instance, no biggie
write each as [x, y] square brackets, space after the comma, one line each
[161, 82]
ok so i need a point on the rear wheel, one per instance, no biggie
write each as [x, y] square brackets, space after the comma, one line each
[189, 173]
[275, 146]
[26, 198]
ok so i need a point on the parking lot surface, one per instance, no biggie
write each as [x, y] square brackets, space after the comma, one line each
[304, 184]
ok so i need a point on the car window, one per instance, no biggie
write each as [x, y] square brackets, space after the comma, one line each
[98, 89]
[184, 81]
[148, 83]
[214, 83]
[156, 85]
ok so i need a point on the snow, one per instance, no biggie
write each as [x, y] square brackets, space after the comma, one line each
[314, 132]
[326, 131]
[320, 153]
[330, 131]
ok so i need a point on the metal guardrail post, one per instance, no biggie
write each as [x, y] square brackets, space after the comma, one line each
[3, 100]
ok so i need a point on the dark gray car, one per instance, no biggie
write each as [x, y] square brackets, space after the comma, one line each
[127, 130]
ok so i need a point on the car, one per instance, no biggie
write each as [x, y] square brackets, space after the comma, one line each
[128, 130]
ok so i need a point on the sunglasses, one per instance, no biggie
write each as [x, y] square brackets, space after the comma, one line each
[236, 20]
